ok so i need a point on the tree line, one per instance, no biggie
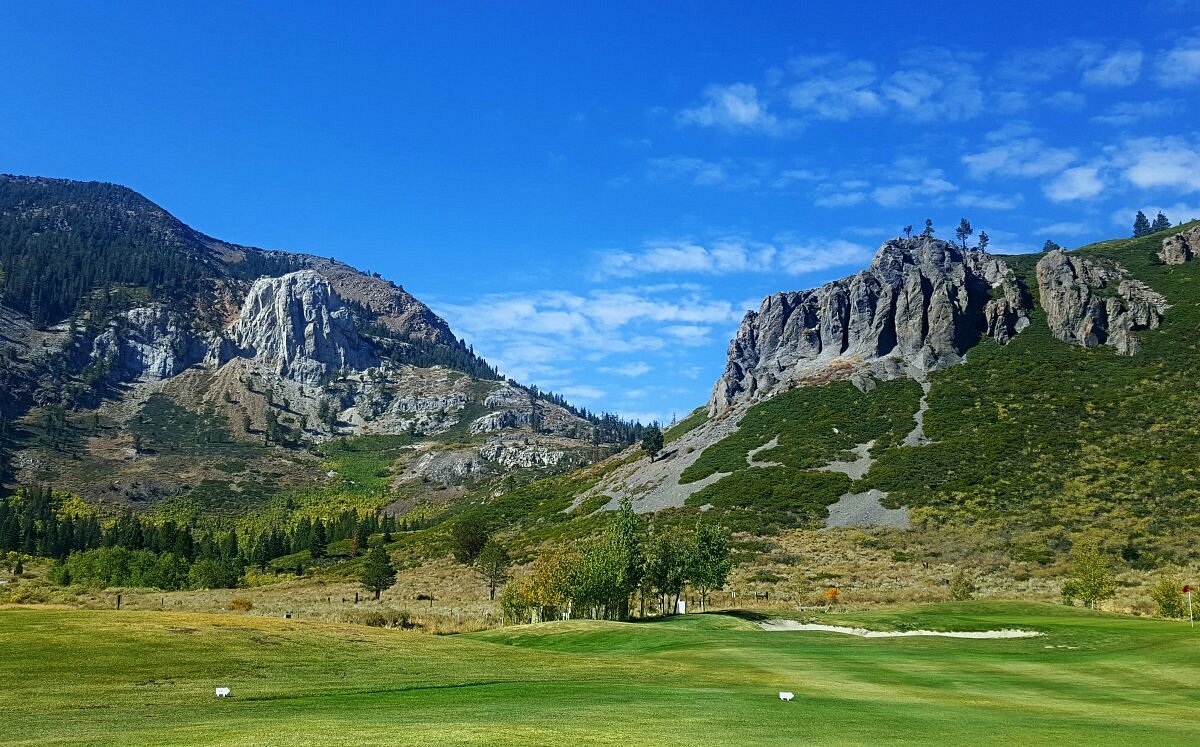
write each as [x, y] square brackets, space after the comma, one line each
[132, 551]
[631, 565]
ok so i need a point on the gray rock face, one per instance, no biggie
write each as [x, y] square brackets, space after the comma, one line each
[920, 305]
[1091, 303]
[298, 326]
[511, 455]
[148, 344]
[1180, 248]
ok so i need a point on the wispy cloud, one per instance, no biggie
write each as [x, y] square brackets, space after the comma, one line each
[1127, 113]
[936, 84]
[1018, 157]
[1063, 229]
[1121, 68]
[733, 107]
[730, 256]
[1179, 67]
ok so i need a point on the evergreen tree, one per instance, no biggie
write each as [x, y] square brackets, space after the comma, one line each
[318, 544]
[1160, 223]
[652, 441]
[963, 232]
[468, 535]
[908, 232]
[1050, 246]
[928, 232]
[1141, 225]
[983, 240]
[378, 572]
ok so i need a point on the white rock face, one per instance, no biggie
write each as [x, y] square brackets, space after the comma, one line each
[1089, 303]
[510, 455]
[299, 327]
[148, 344]
[920, 305]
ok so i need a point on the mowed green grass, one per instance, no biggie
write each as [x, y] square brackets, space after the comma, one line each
[86, 677]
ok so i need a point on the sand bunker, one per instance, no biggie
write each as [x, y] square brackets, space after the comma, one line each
[788, 625]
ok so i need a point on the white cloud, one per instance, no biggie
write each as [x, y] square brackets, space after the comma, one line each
[1127, 113]
[695, 171]
[733, 107]
[582, 392]
[1180, 212]
[688, 334]
[632, 370]
[989, 202]
[835, 88]
[723, 257]
[730, 256]
[1066, 100]
[840, 199]
[1168, 162]
[1064, 229]
[1180, 66]
[1079, 183]
[1019, 157]
[927, 87]
[798, 258]
[907, 193]
[1119, 69]
[728, 173]
[542, 337]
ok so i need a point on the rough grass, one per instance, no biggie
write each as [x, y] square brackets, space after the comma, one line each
[85, 678]
[804, 420]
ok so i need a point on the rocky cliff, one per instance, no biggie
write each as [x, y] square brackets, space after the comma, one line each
[919, 306]
[300, 326]
[1092, 303]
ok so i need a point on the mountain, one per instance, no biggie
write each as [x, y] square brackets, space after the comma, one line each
[1027, 398]
[149, 364]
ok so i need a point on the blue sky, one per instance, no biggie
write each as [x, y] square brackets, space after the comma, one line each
[593, 193]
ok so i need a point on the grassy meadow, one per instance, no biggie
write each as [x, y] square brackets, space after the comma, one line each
[105, 677]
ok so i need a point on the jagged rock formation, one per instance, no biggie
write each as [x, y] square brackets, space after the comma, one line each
[301, 326]
[147, 344]
[1091, 303]
[920, 306]
[1180, 248]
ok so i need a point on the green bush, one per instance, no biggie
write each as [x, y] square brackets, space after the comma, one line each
[1167, 594]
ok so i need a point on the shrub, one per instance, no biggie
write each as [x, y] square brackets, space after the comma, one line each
[241, 604]
[962, 587]
[1168, 596]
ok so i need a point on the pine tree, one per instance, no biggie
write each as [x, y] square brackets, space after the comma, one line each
[1160, 223]
[1141, 225]
[1050, 246]
[983, 240]
[319, 543]
[378, 572]
[963, 232]
[652, 442]
[928, 232]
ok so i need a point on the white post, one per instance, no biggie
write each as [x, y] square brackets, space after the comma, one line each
[1191, 619]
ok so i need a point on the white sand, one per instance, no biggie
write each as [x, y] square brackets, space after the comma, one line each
[790, 625]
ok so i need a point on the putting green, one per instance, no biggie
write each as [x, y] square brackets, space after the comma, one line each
[77, 677]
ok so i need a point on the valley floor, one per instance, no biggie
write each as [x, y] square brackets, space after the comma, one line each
[105, 677]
